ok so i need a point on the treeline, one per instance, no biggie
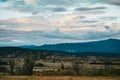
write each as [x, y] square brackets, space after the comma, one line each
[16, 52]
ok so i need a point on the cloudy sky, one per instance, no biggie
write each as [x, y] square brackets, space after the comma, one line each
[38, 22]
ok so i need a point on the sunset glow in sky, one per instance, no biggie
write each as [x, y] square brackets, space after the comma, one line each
[38, 22]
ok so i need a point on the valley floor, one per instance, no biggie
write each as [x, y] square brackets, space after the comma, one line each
[57, 78]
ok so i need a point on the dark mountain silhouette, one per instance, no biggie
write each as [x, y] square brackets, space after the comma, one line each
[109, 47]
[104, 46]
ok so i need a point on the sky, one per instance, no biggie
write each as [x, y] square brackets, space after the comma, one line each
[38, 22]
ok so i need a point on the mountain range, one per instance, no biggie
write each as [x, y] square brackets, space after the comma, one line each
[103, 46]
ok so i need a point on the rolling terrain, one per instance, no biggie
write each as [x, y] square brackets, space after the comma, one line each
[109, 47]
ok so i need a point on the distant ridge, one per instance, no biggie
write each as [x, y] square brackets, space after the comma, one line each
[103, 46]
[109, 47]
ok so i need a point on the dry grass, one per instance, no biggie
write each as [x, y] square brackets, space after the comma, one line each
[56, 78]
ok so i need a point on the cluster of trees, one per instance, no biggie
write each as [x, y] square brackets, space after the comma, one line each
[27, 68]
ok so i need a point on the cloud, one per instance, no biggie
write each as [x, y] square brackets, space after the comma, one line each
[63, 34]
[88, 21]
[37, 6]
[5, 39]
[5, 14]
[108, 28]
[31, 1]
[89, 8]
[59, 9]
[18, 41]
[19, 37]
[57, 21]
[114, 2]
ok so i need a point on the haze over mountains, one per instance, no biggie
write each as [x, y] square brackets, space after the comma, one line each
[104, 46]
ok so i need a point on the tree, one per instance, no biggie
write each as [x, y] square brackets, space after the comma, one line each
[28, 65]
[75, 68]
[0, 65]
[62, 67]
[12, 66]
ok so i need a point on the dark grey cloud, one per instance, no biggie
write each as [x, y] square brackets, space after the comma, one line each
[108, 28]
[10, 33]
[111, 2]
[38, 6]
[100, 35]
[88, 21]
[15, 34]
[55, 2]
[109, 18]
[114, 2]
[16, 37]
[7, 35]
[59, 9]
[82, 17]
[89, 8]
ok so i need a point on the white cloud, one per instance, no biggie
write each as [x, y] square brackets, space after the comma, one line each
[7, 14]
[18, 41]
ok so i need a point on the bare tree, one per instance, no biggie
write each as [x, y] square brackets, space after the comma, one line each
[12, 66]
[75, 68]
[28, 65]
[62, 67]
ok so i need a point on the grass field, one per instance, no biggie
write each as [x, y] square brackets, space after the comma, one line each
[56, 78]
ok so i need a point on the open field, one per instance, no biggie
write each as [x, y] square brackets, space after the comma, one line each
[56, 78]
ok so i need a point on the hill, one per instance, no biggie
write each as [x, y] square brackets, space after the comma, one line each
[109, 47]
[104, 46]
